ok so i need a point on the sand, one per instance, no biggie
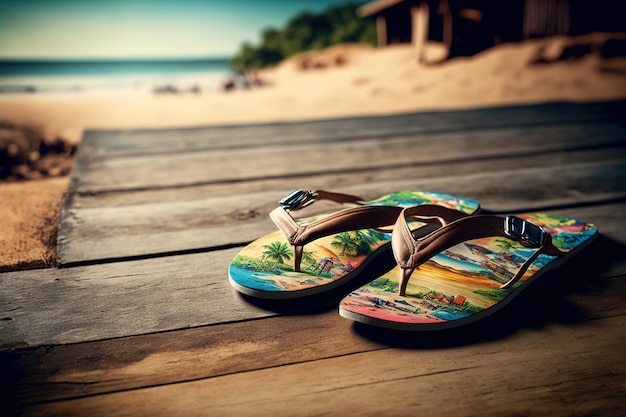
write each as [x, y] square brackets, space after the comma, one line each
[368, 81]
[28, 223]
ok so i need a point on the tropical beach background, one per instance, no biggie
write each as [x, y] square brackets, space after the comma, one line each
[68, 66]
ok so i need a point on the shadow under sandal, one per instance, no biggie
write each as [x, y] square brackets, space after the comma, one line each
[465, 270]
[315, 254]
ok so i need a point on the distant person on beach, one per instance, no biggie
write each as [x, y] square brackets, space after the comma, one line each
[255, 79]
[243, 79]
[228, 83]
[242, 76]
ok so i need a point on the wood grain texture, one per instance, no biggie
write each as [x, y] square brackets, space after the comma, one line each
[312, 158]
[125, 143]
[530, 373]
[120, 299]
[113, 365]
[356, 180]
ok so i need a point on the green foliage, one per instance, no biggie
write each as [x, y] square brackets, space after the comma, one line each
[246, 262]
[506, 245]
[307, 256]
[278, 252]
[306, 32]
[346, 243]
[353, 244]
[470, 308]
[363, 246]
[495, 295]
[385, 284]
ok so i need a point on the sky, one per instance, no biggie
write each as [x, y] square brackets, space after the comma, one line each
[90, 29]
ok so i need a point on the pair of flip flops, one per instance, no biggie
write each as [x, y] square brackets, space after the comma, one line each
[453, 266]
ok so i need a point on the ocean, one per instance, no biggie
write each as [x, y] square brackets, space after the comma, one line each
[113, 76]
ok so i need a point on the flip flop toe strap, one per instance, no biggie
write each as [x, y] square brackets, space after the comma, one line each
[298, 199]
[410, 252]
[357, 218]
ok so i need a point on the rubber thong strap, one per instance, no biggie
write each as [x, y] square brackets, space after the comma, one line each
[410, 253]
[357, 218]
[338, 197]
[363, 217]
[298, 199]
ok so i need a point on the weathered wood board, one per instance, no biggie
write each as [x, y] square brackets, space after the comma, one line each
[125, 143]
[307, 158]
[532, 372]
[568, 297]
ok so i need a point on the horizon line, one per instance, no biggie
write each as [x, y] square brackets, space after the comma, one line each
[117, 59]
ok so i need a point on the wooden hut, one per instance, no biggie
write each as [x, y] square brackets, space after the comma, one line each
[467, 27]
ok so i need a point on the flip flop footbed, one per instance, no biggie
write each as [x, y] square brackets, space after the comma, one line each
[463, 282]
[265, 267]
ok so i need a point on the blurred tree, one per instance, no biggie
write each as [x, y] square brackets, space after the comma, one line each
[305, 32]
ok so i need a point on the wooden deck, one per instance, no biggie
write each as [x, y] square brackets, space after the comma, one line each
[140, 318]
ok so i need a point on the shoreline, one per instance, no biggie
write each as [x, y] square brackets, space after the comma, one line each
[129, 85]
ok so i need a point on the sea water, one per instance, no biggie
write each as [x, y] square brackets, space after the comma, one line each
[113, 76]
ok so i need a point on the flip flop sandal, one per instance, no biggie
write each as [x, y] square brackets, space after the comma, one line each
[310, 255]
[465, 270]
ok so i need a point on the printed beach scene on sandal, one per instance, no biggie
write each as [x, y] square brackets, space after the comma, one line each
[465, 279]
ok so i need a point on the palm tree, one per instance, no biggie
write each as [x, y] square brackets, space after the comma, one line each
[279, 252]
[307, 256]
[364, 247]
[505, 245]
[346, 243]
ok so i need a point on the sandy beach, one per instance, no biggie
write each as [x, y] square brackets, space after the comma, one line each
[368, 81]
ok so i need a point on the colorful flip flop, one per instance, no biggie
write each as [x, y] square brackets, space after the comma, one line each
[315, 254]
[467, 269]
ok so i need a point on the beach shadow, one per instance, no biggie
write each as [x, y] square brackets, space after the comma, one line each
[558, 297]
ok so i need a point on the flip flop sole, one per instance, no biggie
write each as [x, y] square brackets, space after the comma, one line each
[461, 285]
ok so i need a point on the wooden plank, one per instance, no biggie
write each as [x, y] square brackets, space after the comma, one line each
[107, 366]
[503, 377]
[119, 299]
[121, 143]
[298, 159]
[55, 306]
[179, 221]
[86, 369]
[355, 180]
